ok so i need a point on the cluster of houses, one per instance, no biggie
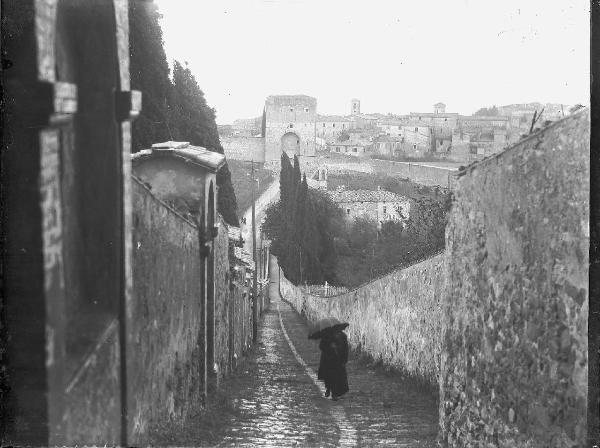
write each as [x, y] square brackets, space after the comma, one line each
[447, 135]
[444, 135]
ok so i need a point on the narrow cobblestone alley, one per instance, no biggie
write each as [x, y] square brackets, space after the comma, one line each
[281, 406]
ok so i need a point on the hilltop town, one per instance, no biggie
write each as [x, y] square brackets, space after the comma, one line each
[292, 122]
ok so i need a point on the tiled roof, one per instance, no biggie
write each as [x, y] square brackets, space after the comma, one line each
[195, 154]
[365, 196]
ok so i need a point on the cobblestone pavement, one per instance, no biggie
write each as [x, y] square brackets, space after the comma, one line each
[281, 406]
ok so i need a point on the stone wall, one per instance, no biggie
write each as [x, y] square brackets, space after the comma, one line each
[395, 319]
[294, 114]
[166, 323]
[420, 173]
[244, 148]
[222, 301]
[515, 364]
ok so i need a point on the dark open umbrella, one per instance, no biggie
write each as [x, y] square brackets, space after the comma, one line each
[324, 325]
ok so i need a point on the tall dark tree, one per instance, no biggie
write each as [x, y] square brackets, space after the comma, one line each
[149, 74]
[301, 227]
[191, 119]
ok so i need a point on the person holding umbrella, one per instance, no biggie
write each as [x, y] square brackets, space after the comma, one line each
[334, 356]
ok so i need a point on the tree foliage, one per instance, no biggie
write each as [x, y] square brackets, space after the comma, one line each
[302, 227]
[368, 252]
[488, 112]
[149, 74]
[171, 109]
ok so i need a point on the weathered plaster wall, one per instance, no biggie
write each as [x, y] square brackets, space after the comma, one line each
[514, 369]
[92, 397]
[395, 319]
[244, 148]
[166, 316]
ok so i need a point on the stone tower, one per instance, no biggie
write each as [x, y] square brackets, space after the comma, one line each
[439, 108]
[290, 122]
[355, 106]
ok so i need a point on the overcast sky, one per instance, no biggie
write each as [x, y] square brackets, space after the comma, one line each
[394, 55]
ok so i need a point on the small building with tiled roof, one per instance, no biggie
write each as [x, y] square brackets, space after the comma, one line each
[329, 127]
[351, 148]
[183, 176]
[378, 205]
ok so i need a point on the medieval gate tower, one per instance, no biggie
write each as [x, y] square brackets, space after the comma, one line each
[290, 122]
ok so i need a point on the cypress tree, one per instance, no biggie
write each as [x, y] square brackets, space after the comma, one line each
[298, 229]
[191, 119]
[149, 74]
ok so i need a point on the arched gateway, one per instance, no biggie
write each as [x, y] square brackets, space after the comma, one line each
[290, 143]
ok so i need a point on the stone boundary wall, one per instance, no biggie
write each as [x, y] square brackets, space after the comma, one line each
[166, 324]
[270, 195]
[421, 173]
[222, 301]
[515, 367]
[244, 148]
[395, 319]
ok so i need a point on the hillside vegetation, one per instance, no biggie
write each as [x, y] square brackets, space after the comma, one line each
[242, 183]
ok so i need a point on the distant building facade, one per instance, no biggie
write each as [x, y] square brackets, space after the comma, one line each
[330, 127]
[349, 148]
[381, 205]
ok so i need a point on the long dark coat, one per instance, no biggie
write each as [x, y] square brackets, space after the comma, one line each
[332, 368]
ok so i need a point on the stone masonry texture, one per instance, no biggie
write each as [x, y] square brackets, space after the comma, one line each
[222, 301]
[395, 320]
[514, 368]
[166, 321]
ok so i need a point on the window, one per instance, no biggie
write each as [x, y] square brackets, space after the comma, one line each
[416, 129]
[291, 109]
[334, 125]
[306, 109]
[291, 125]
[347, 211]
[343, 126]
[415, 146]
[355, 150]
[384, 209]
[323, 124]
[445, 119]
